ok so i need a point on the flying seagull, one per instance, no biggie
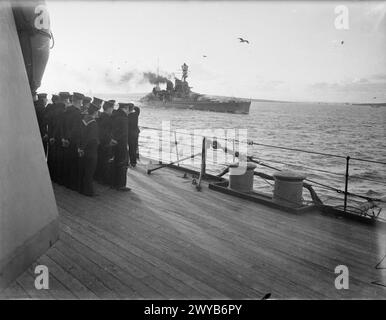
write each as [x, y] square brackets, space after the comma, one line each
[342, 42]
[243, 40]
[266, 297]
[204, 56]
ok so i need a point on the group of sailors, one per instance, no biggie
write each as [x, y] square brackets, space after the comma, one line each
[85, 140]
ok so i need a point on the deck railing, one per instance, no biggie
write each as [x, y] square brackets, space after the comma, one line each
[184, 149]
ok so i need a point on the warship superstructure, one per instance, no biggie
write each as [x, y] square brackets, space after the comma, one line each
[179, 95]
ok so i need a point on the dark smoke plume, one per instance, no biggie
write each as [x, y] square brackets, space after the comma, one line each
[135, 77]
[153, 78]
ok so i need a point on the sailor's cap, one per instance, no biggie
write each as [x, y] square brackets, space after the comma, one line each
[77, 96]
[42, 95]
[64, 95]
[108, 104]
[97, 101]
[54, 97]
[124, 105]
[86, 99]
[92, 108]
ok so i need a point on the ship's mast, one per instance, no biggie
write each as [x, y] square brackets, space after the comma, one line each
[184, 68]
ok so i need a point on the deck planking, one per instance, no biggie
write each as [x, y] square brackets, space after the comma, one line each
[165, 240]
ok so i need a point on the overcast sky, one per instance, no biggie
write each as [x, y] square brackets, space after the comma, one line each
[295, 51]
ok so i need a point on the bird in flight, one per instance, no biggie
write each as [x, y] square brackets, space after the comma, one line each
[204, 56]
[342, 42]
[266, 297]
[243, 40]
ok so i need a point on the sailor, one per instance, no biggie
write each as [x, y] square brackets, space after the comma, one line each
[133, 132]
[103, 171]
[57, 134]
[86, 102]
[70, 141]
[88, 150]
[98, 102]
[40, 105]
[49, 114]
[43, 98]
[137, 110]
[120, 134]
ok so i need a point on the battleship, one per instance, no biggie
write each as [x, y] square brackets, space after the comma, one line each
[180, 96]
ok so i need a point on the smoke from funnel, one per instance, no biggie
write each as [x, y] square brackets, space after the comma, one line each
[127, 77]
[153, 78]
[133, 78]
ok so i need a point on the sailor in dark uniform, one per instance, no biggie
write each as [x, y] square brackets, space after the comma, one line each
[40, 105]
[49, 115]
[57, 134]
[138, 111]
[120, 134]
[133, 132]
[86, 103]
[88, 150]
[103, 171]
[43, 98]
[70, 141]
[97, 102]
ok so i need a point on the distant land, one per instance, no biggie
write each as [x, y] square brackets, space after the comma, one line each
[376, 105]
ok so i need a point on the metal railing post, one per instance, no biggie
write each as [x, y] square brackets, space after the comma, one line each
[203, 165]
[234, 152]
[346, 182]
[160, 150]
[203, 157]
[175, 143]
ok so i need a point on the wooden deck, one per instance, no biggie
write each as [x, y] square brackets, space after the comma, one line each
[165, 240]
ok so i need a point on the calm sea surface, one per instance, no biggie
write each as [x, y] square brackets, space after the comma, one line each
[339, 129]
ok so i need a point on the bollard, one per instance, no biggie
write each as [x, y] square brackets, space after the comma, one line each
[288, 188]
[241, 182]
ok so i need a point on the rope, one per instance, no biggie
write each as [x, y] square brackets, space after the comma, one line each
[304, 167]
[250, 142]
[217, 145]
[323, 185]
[53, 40]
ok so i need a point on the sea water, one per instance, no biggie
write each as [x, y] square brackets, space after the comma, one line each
[358, 131]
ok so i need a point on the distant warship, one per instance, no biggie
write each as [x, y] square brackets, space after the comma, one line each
[180, 96]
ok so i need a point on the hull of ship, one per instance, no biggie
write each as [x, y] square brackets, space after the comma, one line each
[238, 107]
